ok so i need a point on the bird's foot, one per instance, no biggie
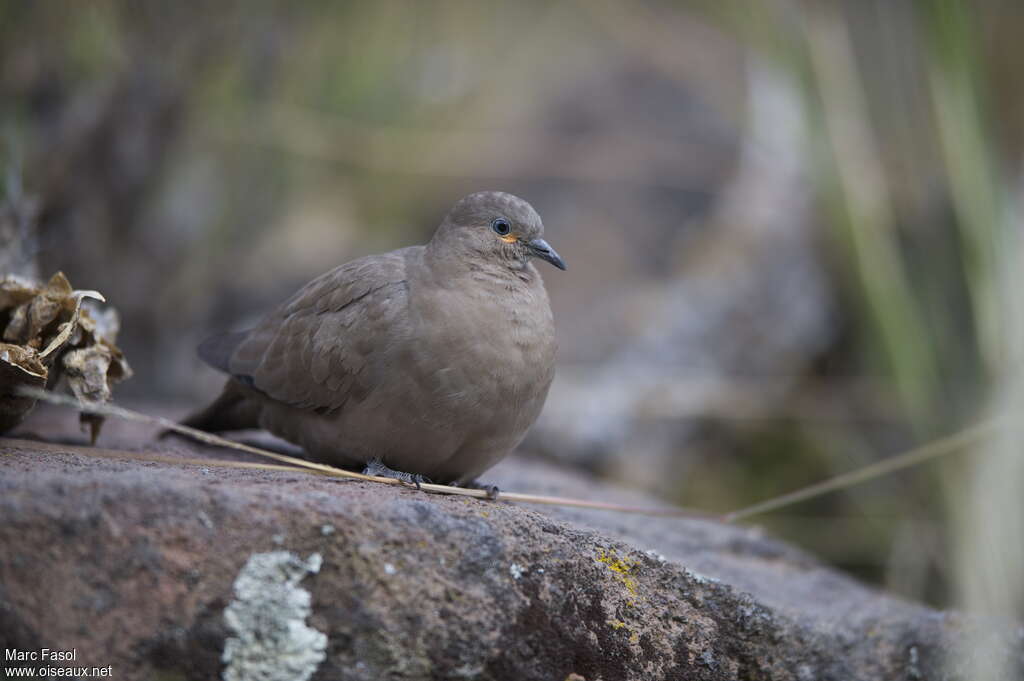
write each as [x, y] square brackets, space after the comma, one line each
[376, 468]
[492, 490]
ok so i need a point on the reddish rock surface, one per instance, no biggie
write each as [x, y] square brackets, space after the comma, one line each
[134, 564]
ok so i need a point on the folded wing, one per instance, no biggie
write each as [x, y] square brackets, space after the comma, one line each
[313, 350]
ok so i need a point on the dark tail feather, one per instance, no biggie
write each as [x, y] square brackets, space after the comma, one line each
[217, 350]
[231, 411]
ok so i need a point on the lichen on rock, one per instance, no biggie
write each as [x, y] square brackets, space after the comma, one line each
[271, 640]
[145, 557]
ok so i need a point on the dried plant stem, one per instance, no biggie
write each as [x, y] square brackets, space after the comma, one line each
[148, 457]
[114, 411]
[300, 465]
[932, 450]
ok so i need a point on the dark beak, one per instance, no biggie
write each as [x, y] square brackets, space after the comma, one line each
[541, 249]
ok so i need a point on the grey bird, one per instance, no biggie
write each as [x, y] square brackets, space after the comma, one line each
[425, 363]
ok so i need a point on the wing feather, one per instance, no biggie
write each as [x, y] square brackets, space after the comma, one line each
[311, 351]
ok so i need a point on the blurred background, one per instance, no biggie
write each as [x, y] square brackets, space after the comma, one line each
[791, 226]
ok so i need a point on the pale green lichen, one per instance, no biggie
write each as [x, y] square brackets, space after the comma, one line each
[271, 641]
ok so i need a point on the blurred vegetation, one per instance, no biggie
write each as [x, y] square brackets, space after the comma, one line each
[197, 163]
[915, 131]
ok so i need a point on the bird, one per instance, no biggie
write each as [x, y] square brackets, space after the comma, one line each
[428, 364]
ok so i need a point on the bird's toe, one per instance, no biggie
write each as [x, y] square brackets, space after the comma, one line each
[492, 490]
[377, 468]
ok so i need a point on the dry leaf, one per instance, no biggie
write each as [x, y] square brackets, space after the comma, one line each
[86, 370]
[18, 367]
[31, 320]
[71, 328]
[14, 291]
[49, 332]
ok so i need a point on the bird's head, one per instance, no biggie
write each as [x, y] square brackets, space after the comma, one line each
[497, 227]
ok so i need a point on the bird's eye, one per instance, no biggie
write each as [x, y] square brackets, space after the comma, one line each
[501, 226]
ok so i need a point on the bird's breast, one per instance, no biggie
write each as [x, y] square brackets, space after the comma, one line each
[489, 345]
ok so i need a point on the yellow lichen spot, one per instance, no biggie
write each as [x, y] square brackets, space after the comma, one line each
[622, 567]
[619, 625]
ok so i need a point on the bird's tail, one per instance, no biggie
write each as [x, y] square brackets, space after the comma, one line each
[232, 410]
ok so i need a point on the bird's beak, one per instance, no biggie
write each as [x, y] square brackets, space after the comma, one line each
[541, 249]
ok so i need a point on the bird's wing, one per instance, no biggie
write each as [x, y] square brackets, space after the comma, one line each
[312, 351]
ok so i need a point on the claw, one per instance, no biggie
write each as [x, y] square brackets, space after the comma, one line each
[376, 468]
[492, 490]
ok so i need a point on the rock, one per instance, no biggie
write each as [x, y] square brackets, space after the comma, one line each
[173, 571]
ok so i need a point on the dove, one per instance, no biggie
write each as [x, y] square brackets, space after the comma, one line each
[426, 363]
